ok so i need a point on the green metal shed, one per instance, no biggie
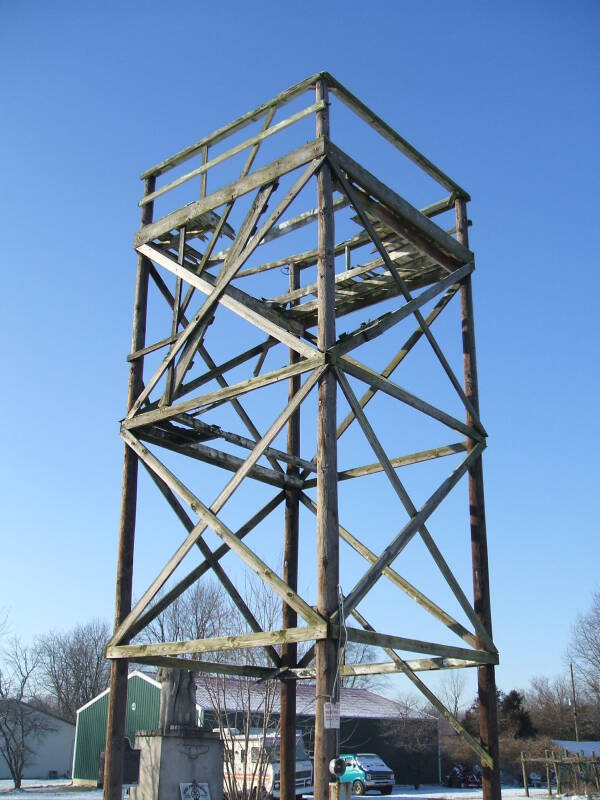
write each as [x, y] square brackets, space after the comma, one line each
[143, 703]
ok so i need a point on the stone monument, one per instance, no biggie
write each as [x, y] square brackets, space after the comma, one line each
[179, 761]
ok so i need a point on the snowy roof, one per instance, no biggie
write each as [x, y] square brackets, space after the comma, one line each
[577, 747]
[234, 695]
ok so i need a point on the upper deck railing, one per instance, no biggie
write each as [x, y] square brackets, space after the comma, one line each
[266, 112]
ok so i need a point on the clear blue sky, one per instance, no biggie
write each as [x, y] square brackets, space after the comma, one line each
[504, 97]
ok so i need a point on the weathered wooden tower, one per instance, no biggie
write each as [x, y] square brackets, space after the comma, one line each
[260, 293]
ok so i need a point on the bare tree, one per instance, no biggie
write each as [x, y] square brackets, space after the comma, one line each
[584, 649]
[22, 725]
[452, 691]
[415, 734]
[201, 612]
[245, 704]
[73, 668]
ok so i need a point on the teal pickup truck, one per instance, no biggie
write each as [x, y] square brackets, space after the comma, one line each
[367, 771]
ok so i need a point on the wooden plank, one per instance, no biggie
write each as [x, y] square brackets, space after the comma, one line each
[394, 227]
[288, 226]
[376, 381]
[239, 148]
[306, 258]
[399, 461]
[288, 163]
[151, 348]
[416, 665]
[232, 127]
[248, 444]
[257, 313]
[218, 458]
[374, 639]
[416, 222]
[372, 575]
[176, 591]
[372, 330]
[341, 278]
[219, 643]
[207, 667]
[220, 395]
[385, 130]
[431, 607]
[208, 517]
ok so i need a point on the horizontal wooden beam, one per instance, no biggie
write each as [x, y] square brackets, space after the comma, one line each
[310, 633]
[259, 137]
[183, 216]
[207, 667]
[232, 127]
[218, 458]
[416, 665]
[215, 432]
[374, 639]
[400, 461]
[222, 395]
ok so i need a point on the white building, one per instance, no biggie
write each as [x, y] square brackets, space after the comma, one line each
[53, 751]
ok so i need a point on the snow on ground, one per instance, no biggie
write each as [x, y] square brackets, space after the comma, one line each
[64, 790]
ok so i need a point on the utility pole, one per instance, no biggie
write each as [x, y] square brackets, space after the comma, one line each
[574, 703]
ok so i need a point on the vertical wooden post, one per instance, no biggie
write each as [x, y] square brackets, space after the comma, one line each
[117, 700]
[327, 501]
[486, 678]
[596, 773]
[547, 759]
[289, 651]
[557, 773]
[524, 770]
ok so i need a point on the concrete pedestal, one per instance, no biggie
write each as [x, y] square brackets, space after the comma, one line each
[181, 755]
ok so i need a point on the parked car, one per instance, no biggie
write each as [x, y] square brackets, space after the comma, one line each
[367, 771]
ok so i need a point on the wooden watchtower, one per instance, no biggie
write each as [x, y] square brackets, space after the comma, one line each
[270, 265]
